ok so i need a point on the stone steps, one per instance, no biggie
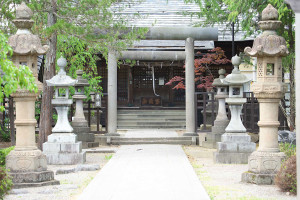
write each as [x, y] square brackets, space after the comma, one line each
[152, 140]
[151, 119]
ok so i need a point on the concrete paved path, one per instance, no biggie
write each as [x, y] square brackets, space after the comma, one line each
[146, 172]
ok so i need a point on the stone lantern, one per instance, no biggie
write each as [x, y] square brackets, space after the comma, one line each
[62, 146]
[27, 165]
[221, 121]
[79, 123]
[235, 145]
[269, 48]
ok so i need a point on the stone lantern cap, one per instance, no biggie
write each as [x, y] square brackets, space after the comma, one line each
[219, 82]
[24, 42]
[81, 81]
[61, 79]
[268, 43]
[236, 78]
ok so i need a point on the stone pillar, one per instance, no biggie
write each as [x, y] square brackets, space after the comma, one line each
[27, 165]
[269, 48]
[62, 147]
[112, 74]
[79, 123]
[190, 88]
[235, 145]
[221, 121]
[295, 5]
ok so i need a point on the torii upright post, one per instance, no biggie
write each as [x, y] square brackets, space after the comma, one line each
[190, 89]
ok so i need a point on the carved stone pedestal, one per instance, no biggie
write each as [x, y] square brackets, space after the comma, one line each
[27, 165]
[234, 148]
[63, 149]
[85, 136]
[263, 167]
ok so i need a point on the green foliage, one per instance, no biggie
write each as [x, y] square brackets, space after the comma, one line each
[108, 157]
[13, 77]
[99, 23]
[4, 153]
[5, 182]
[286, 178]
[4, 132]
[246, 14]
[288, 149]
[80, 56]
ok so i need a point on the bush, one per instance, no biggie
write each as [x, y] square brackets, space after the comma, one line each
[286, 178]
[5, 182]
[288, 149]
[4, 153]
[4, 132]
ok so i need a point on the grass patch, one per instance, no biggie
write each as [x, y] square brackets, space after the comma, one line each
[108, 157]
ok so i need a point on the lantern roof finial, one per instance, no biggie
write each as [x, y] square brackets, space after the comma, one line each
[268, 43]
[24, 42]
[61, 79]
[236, 78]
[269, 13]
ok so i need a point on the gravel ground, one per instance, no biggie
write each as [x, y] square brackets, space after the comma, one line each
[223, 181]
[71, 185]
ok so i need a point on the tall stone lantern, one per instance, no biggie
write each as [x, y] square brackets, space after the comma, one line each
[62, 147]
[27, 164]
[269, 48]
[235, 145]
[221, 121]
[79, 123]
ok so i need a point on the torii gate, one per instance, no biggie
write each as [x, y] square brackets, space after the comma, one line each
[189, 34]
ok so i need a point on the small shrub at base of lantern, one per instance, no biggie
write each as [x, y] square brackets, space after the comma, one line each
[286, 178]
[5, 182]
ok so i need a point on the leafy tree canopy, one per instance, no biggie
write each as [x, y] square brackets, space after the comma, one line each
[12, 77]
[99, 23]
[85, 28]
[245, 14]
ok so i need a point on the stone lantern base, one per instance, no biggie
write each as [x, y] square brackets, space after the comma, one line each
[63, 149]
[235, 148]
[85, 136]
[263, 167]
[216, 132]
[28, 168]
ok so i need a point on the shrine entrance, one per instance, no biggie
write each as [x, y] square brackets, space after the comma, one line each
[136, 89]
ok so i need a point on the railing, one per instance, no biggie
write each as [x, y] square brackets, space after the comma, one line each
[205, 105]
[206, 111]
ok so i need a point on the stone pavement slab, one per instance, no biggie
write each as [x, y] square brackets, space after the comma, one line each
[146, 172]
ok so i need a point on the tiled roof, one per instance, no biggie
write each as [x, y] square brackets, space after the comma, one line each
[160, 13]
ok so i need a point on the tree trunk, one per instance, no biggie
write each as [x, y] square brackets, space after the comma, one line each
[292, 98]
[49, 72]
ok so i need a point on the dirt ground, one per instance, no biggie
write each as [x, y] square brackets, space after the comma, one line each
[223, 181]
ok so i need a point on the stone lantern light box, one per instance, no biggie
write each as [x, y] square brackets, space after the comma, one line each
[61, 100]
